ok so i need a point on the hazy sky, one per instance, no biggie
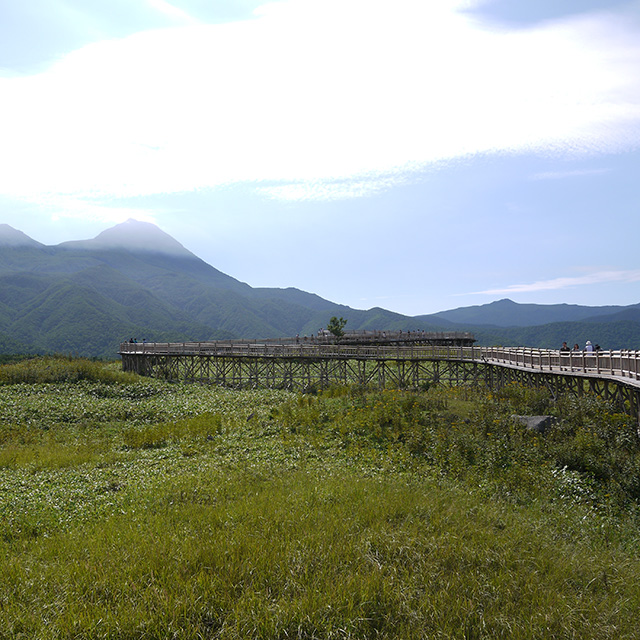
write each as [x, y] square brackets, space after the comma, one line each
[417, 155]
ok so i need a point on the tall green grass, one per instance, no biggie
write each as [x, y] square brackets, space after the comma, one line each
[171, 511]
[312, 556]
[47, 369]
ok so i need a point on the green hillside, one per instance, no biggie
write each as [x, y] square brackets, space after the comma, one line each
[134, 280]
[85, 299]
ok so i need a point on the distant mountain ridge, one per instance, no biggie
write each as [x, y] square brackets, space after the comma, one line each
[134, 280]
[10, 237]
[506, 313]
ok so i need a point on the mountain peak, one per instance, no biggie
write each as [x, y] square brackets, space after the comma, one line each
[10, 237]
[134, 235]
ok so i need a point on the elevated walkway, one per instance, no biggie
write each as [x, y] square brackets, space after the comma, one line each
[299, 364]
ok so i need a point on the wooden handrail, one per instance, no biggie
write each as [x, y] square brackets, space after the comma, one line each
[611, 364]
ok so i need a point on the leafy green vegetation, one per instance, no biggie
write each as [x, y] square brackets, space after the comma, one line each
[336, 326]
[134, 508]
[60, 369]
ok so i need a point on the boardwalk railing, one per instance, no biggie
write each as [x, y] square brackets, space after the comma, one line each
[616, 364]
[622, 364]
[304, 365]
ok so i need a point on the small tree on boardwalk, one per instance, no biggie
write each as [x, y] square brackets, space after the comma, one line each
[336, 326]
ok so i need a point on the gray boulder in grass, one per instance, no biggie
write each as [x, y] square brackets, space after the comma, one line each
[536, 423]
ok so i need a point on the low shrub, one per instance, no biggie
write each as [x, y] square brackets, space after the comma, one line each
[160, 435]
[47, 369]
[461, 435]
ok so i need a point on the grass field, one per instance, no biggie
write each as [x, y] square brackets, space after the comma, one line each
[133, 508]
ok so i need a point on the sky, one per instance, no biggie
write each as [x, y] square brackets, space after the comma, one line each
[415, 155]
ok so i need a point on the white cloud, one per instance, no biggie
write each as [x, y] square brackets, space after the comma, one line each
[171, 11]
[555, 284]
[330, 97]
[68, 207]
[304, 191]
[356, 186]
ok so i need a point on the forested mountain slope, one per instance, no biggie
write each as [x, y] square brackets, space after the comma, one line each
[134, 280]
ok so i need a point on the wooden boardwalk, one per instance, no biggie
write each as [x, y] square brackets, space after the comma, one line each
[313, 364]
[622, 364]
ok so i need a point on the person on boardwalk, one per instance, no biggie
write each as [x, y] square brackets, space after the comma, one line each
[589, 347]
[564, 347]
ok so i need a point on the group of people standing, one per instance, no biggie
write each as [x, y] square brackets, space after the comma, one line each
[589, 348]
